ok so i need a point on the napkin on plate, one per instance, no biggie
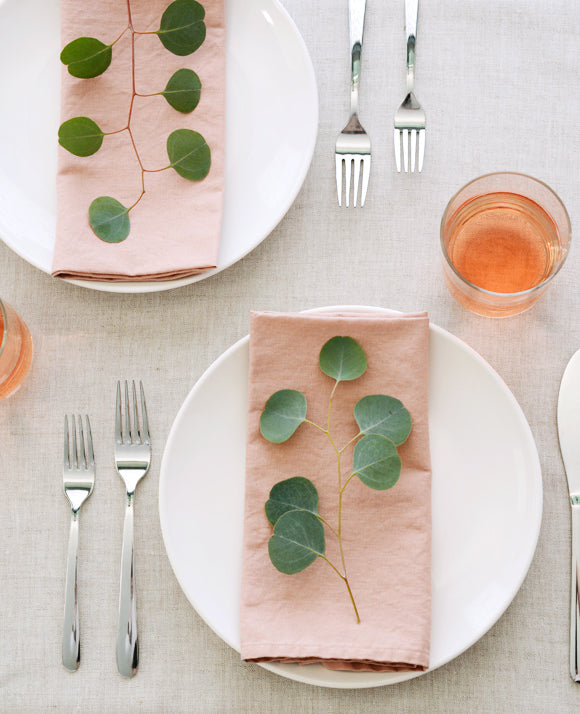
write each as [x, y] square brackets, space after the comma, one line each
[175, 228]
[307, 617]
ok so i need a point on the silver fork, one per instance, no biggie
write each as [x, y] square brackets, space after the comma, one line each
[132, 460]
[78, 484]
[353, 146]
[410, 117]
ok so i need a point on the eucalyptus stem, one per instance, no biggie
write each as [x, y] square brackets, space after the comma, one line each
[340, 492]
[345, 581]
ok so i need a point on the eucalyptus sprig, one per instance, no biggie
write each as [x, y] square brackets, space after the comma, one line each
[383, 424]
[182, 31]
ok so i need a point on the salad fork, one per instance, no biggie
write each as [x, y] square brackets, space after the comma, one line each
[132, 460]
[353, 145]
[410, 117]
[78, 484]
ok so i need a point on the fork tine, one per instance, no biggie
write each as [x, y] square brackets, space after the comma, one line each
[144, 419]
[118, 419]
[355, 186]
[421, 148]
[406, 149]
[365, 179]
[82, 453]
[127, 429]
[75, 453]
[347, 171]
[338, 161]
[90, 452]
[136, 433]
[397, 140]
[413, 148]
[66, 444]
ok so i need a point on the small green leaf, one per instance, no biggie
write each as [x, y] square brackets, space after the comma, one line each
[189, 154]
[293, 494]
[109, 219]
[282, 415]
[297, 541]
[376, 462]
[81, 136]
[343, 359]
[86, 57]
[183, 90]
[380, 414]
[182, 29]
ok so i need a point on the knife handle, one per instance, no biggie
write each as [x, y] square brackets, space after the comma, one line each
[575, 594]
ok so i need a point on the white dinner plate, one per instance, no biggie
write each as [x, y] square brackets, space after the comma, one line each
[487, 501]
[271, 128]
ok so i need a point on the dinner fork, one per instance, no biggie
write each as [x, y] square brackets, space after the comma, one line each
[353, 145]
[410, 117]
[78, 484]
[132, 460]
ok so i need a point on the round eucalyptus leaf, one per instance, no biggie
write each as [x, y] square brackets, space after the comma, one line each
[183, 90]
[376, 462]
[189, 154]
[182, 29]
[293, 494]
[109, 219]
[343, 359]
[81, 136]
[86, 57]
[282, 415]
[297, 541]
[380, 414]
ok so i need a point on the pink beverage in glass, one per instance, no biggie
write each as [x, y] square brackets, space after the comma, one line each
[503, 238]
[15, 350]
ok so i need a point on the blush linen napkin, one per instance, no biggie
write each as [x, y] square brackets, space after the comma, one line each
[175, 228]
[308, 617]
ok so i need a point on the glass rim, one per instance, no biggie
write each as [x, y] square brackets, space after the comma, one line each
[492, 293]
[4, 326]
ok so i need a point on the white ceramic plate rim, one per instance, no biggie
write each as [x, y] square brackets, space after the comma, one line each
[357, 680]
[25, 247]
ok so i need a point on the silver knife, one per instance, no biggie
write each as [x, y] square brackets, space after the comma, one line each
[569, 433]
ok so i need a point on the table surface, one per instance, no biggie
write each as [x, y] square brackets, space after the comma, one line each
[499, 83]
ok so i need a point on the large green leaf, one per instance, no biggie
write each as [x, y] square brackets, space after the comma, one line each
[182, 29]
[81, 136]
[380, 414]
[343, 359]
[376, 462]
[297, 541]
[189, 154]
[109, 219]
[297, 493]
[282, 415]
[183, 90]
[86, 57]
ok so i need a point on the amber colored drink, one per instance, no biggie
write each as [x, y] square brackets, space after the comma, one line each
[15, 350]
[504, 236]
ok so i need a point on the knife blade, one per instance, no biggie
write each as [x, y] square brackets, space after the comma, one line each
[569, 435]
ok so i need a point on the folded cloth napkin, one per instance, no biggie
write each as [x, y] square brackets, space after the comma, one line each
[307, 617]
[175, 228]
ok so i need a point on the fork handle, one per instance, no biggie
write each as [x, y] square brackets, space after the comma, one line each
[71, 651]
[411, 13]
[356, 11]
[127, 642]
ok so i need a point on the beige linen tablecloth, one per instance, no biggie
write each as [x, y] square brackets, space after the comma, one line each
[493, 78]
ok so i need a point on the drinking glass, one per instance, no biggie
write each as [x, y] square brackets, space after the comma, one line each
[504, 237]
[15, 350]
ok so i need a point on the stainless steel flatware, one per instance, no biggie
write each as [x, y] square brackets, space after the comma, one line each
[410, 117]
[353, 145]
[569, 433]
[132, 460]
[78, 484]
